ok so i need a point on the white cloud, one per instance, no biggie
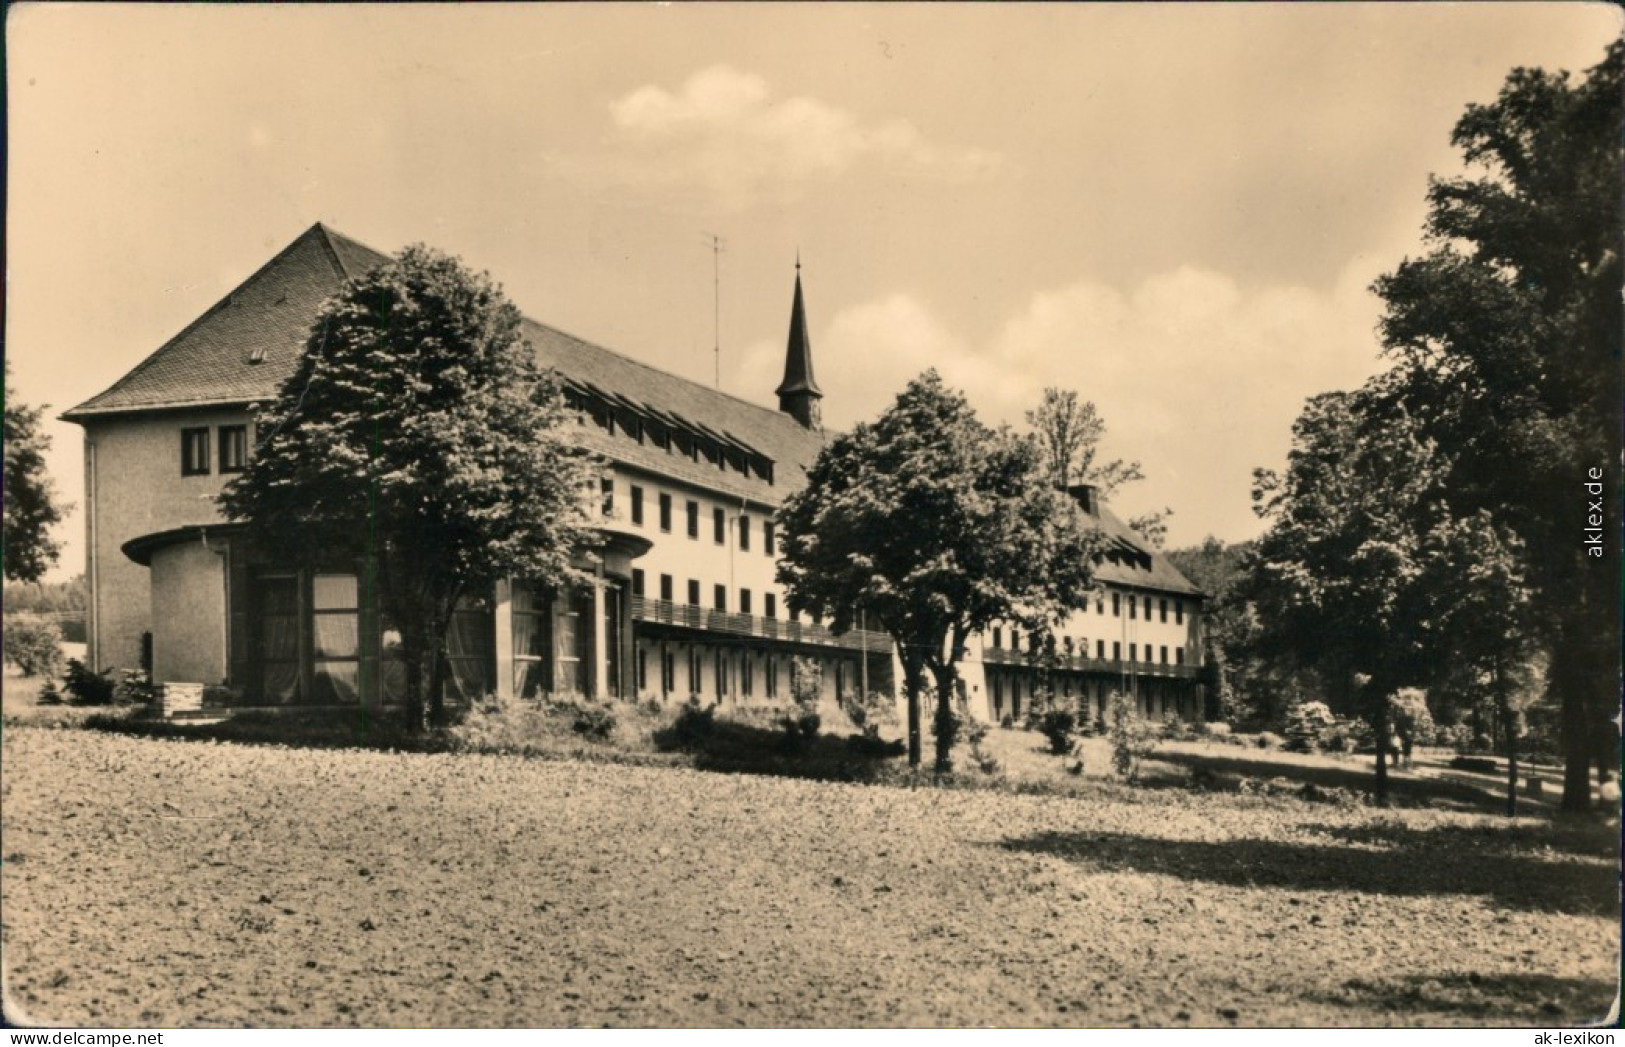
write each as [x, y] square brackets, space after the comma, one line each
[725, 131]
[1197, 377]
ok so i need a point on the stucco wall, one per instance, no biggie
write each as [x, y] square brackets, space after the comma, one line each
[134, 486]
[189, 613]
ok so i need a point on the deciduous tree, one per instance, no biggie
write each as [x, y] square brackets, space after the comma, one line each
[935, 526]
[1508, 334]
[31, 503]
[419, 435]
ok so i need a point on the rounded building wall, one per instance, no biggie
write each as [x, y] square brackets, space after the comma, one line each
[189, 616]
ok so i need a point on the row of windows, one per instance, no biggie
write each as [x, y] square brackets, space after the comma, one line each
[720, 677]
[232, 441]
[719, 518]
[1135, 605]
[719, 595]
[1081, 649]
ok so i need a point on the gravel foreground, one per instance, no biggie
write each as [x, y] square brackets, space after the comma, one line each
[165, 883]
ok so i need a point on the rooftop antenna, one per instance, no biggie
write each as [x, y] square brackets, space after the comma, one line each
[718, 245]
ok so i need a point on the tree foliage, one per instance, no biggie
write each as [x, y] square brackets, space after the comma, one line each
[1506, 337]
[1068, 432]
[1339, 575]
[936, 526]
[419, 435]
[31, 506]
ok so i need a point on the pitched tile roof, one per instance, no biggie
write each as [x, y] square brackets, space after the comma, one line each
[265, 319]
[243, 348]
[1130, 561]
[240, 351]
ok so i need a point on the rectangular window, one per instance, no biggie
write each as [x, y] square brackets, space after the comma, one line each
[693, 593]
[637, 505]
[1117, 650]
[665, 512]
[1100, 649]
[233, 448]
[744, 601]
[1162, 610]
[1133, 609]
[1117, 610]
[643, 669]
[195, 452]
[531, 642]
[668, 670]
[1133, 652]
[665, 587]
[719, 597]
[768, 537]
[1164, 658]
[719, 525]
[637, 581]
[693, 670]
[693, 519]
[1015, 639]
[1148, 608]
[335, 605]
[1179, 611]
[606, 487]
[744, 534]
[719, 668]
[772, 677]
[770, 605]
[998, 636]
[747, 683]
[1179, 656]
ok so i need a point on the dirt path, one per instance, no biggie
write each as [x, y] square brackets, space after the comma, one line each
[174, 883]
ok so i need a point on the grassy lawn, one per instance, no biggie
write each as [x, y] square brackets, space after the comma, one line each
[157, 881]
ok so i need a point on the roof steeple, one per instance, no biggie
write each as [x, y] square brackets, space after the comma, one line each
[799, 393]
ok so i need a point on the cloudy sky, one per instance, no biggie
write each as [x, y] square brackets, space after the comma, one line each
[1175, 210]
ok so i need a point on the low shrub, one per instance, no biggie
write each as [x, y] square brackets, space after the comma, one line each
[868, 711]
[1306, 722]
[1006, 722]
[1058, 727]
[135, 687]
[593, 721]
[48, 694]
[1132, 738]
[694, 723]
[1267, 740]
[34, 645]
[85, 687]
[1217, 729]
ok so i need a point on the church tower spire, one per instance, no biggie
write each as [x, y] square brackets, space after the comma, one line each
[799, 394]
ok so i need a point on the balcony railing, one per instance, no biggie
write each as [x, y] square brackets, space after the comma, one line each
[689, 616]
[1074, 663]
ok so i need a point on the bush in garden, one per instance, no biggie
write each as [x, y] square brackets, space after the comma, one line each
[34, 645]
[498, 724]
[1306, 722]
[86, 687]
[1132, 738]
[48, 694]
[695, 722]
[135, 687]
[1268, 740]
[1058, 726]
[867, 711]
[593, 721]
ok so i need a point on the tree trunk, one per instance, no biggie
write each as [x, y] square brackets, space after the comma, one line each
[944, 717]
[1379, 726]
[1569, 682]
[913, 680]
[1509, 724]
[437, 681]
[414, 693]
